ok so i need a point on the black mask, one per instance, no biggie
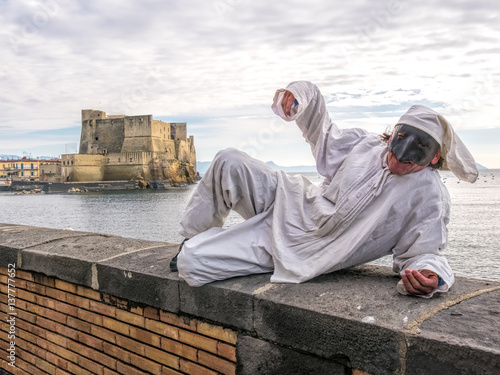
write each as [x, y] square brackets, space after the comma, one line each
[411, 144]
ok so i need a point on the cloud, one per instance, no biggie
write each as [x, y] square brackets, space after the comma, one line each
[222, 59]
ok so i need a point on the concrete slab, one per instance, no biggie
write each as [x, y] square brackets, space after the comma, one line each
[255, 356]
[143, 276]
[356, 313]
[72, 259]
[14, 238]
[465, 338]
[228, 302]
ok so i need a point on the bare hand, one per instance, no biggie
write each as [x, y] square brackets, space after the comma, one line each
[423, 282]
[287, 102]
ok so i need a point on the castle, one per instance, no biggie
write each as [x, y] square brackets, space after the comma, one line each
[120, 147]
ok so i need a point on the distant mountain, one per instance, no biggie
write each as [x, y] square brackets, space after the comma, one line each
[8, 157]
[479, 166]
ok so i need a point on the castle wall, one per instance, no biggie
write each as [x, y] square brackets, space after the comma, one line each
[132, 147]
[79, 168]
[178, 130]
[102, 136]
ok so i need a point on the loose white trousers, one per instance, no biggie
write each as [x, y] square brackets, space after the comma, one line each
[234, 181]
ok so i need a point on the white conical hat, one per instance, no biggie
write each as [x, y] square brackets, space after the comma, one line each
[456, 157]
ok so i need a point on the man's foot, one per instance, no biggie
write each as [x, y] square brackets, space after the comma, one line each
[173, 262]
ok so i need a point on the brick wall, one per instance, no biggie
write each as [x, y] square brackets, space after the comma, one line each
[63, 328]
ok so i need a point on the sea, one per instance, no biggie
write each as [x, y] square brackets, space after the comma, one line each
[473, 241]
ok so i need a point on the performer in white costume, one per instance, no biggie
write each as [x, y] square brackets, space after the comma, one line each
[378, 197]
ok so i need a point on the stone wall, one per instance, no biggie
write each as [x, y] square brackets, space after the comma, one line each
[93, 303]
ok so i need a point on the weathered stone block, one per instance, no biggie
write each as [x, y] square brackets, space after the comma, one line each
[143, 276]
[227, 302]
[256, 356]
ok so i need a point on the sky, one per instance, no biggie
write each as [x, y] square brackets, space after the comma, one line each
[216, 65]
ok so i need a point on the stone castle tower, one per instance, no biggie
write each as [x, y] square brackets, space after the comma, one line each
[120, 147]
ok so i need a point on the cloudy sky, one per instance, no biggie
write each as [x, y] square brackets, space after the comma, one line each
[216, 65]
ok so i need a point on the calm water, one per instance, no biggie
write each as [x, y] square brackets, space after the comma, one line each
[474, 230]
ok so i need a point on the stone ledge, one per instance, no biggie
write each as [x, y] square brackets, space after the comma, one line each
[353, 316]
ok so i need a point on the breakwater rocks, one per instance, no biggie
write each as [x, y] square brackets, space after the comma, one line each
[35, 187]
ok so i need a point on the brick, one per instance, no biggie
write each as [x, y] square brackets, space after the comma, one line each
[145, 336]
[112, 300]
[132, 345]
[103, 309]
[169, 371]
[25, 295]
[56, 294]
[151, 313]
[137, 310]
[93, 367]
[81, 302]
[96, 356]
[54, 315]
[24, 275]
[64, 285]
[198, 341]
[162, 329]
[217, 332]
[116, 352]
[28, 367]
[115, 325]
[130, 318]
[129, 370]
[28, 327]
[91, 341]
[103, 333]
[89, 317]
[65, 308]
[179, 349]
[46, 323]
[88, 292]
[227, 351]
[67, 331]
[57, 339]
[26, 316]
[193, 368]
[162, 357]
[31, 348]
[61, 372]
[359, 372]
[57, 361]
[26, 335]
[107, 371]
[45, 366]
[43, 279]
[66, 354]
[76, 369]
[78, 324]
[217, 363]
[145, 364]
[35, 288]
[45, 302]
[183, 322]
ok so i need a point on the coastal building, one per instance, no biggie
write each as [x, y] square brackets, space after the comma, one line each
[29, 169]
[120, 147]
[26, 169]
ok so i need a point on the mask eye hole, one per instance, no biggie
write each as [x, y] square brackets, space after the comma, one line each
[400, 135]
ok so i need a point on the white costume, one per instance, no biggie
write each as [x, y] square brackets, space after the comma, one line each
[298, 230]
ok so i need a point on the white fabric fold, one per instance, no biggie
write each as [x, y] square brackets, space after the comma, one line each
[456, 156]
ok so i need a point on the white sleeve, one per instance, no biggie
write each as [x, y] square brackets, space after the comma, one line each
[329, 144]
[421, 247]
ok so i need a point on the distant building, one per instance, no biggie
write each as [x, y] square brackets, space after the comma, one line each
[28, 169]
[123, 147]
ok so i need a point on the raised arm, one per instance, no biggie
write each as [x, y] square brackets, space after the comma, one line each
[329, 144]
